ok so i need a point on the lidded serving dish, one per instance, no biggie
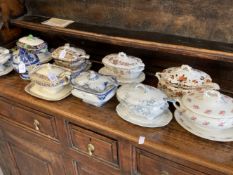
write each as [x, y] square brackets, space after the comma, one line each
[30, 48]
[69, 54]
[145, 105]
[208, 110]
[75, 59]
[124, 67]
[5, 61]
[94, 88]
[49, 82]
[31, 44]
[177, 81]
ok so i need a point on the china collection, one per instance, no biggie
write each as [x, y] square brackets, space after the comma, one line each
[200, 108]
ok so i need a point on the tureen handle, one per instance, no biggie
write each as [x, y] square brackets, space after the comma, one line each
[212, 94]
[159, 75]
[122, 55]
[211, 85]
[67, 45]
[67, 75]
[186, 67]
[85, 56]
[177, 104]
[142, 87]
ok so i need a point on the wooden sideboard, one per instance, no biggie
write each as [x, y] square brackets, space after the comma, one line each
[70, 137]
[73, 138]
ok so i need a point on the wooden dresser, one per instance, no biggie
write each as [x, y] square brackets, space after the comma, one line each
[73, 138]
[70, 137]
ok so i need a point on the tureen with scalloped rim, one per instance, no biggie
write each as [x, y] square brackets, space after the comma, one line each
[209, 109]
[94, 88]
[143, 100]
[177, 81]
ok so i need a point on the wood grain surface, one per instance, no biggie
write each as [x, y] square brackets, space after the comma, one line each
[172, 141]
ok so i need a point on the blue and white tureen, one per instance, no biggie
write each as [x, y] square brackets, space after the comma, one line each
[94, 88]
[27, 58]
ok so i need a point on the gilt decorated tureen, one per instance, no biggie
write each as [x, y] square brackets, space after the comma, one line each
[178, 81]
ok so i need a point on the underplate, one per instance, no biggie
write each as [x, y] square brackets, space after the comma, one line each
[37, 91]
[225, 135]
[159, 121]
[7, 70]
[122, 81]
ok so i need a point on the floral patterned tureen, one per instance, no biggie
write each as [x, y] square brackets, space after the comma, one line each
[177, 81]
[209, 109]
[123, 66]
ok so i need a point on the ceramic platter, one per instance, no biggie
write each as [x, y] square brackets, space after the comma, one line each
[37, 91]
[7, 70]
[160, 121]
[122, 81]
[225, 135]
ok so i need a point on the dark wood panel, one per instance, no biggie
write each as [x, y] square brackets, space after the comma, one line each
[147, 164]
[209, 20]
[148, 41]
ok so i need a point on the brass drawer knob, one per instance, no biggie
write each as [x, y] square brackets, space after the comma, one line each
[164, 173]
[36, 125]
[90, 149]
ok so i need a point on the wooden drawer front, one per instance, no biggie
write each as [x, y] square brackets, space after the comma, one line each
[37, 121]
[148, 164]
[102, 147]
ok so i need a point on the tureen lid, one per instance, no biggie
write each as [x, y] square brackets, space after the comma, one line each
[68, 53]
[185, 76]
[49, 74]
[140, 94]
[94, 82]
[210, 103]
[30, 40]
[121, 60]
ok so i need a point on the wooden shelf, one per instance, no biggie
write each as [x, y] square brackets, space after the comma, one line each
[143, 40]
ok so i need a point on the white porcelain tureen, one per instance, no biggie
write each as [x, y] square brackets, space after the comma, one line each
[177, 81]
[123, 66]
[94, 88]
[209, 109]
[143, 100]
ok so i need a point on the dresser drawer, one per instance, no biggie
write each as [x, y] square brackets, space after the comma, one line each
[39, 122]
[93, 145]
[148, 164]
